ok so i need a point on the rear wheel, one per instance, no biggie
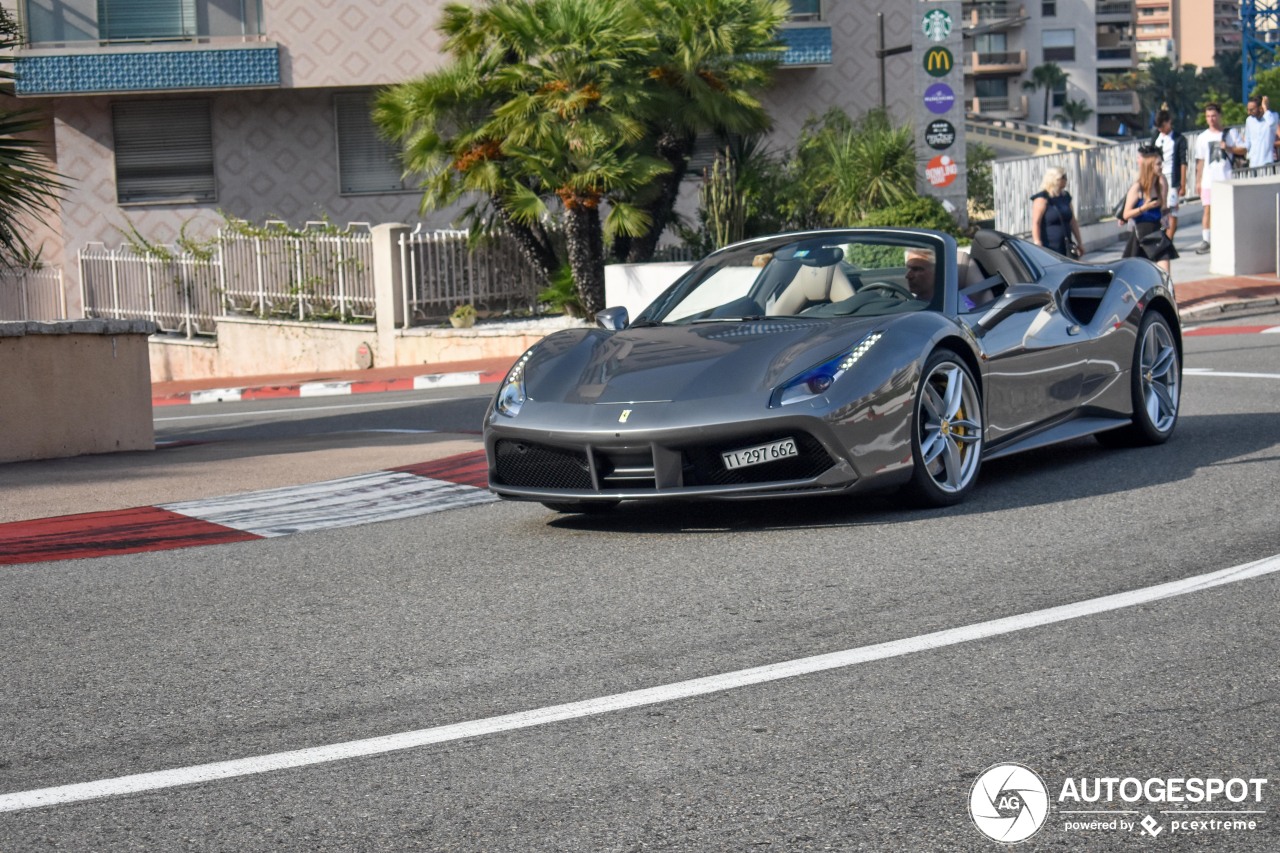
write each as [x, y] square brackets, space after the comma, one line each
[946, 432]
[1156, 383]
[583, 507]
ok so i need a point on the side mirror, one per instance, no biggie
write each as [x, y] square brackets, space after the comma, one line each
[1015, 300]
[613, 319]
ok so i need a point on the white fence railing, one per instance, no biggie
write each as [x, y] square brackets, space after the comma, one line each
[440, 271]
[178, 294]
[317, 274]
[32, 295]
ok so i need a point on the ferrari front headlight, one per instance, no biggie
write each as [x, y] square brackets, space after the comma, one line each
[815, 381]
[511, 395]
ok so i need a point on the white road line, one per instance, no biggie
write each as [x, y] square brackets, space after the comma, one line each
[1209, 371]
[161, 779]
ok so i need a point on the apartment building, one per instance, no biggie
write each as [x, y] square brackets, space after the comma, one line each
[1187, 31]
[1091, 40]
[166, 113]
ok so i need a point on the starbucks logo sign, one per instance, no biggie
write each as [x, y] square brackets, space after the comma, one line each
[937, 25]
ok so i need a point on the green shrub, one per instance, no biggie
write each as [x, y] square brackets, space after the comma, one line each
[919, 212]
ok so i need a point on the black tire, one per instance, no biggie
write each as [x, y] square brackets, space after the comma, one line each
[946, 432]
[1155, 384]
[583, 507]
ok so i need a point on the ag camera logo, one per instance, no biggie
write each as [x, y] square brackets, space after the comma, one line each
[1009, 803]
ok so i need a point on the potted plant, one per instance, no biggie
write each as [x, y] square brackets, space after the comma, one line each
[463, 317]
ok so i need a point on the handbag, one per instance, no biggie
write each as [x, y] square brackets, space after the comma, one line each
[1117, 212]
[1155, 244]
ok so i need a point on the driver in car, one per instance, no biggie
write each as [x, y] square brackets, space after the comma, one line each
[920, 273]
[920, 277]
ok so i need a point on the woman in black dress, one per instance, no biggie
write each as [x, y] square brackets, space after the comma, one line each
[1053, 222]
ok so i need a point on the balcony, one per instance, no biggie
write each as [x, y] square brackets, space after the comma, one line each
[1114, 11]
[69, 72]
[807, 46]
[1008, 107]
[1120, 56]
[990, 16]
[1122, 103]
[102, 46]
[1008, 62]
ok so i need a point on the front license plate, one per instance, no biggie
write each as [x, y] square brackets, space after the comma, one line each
[759, 455]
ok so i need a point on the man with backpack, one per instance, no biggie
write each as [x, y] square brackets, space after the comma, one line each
[1215, 147]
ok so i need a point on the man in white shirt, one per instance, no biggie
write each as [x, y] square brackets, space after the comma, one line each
[1214, 149]
[1260, 133]
[1173, 159]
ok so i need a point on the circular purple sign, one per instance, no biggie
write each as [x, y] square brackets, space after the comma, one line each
[939, 98]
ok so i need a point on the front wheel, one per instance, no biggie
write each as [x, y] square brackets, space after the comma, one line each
[946, 432]
[1156, 385]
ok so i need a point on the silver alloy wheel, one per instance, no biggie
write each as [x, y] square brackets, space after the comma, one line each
[1161, 379]
[950, 424]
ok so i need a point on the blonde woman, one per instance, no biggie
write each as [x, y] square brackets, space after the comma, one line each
[1053, 222]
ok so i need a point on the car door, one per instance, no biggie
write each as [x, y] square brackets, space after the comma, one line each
[1032, 359]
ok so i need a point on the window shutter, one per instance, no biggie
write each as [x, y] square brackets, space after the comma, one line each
[367, 163]
[120, 20]
[164, 151]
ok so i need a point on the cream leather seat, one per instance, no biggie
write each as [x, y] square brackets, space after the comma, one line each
[812, 285]
[969, 273]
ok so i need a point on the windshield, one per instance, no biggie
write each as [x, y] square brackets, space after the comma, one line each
[834, 274]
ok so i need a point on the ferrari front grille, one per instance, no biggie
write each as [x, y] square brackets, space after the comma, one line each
[540, 466]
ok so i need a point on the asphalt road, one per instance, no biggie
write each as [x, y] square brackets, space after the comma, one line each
[168, 660]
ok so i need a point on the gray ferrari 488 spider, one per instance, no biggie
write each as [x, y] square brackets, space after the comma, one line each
[839, 361]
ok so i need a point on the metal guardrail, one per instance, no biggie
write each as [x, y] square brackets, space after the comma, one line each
[1097, 178]
[34, 295]
[440, 271]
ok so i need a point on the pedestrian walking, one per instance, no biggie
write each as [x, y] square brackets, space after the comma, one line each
[1215, 147]
[1053, 221]
[1173, 162]
[1144, 206]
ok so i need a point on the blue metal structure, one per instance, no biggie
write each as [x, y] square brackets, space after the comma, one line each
[1259, 27]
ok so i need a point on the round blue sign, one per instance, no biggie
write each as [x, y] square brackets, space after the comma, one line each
[939, 98]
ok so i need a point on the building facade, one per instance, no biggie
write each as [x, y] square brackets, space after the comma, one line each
[167, 114]
[1188, 31]
[1091, 40]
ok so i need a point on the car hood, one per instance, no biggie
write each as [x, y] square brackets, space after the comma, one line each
[664, 363]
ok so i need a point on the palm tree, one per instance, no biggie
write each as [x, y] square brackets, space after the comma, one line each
[1049, 77]
[712, 57]
[1178, 89]
[28, 187]
[557, 110]
[1075, 112]
[538, 111]
[851, 169]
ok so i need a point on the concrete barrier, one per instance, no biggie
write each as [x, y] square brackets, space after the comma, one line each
[74, 387]
[1244, 226]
